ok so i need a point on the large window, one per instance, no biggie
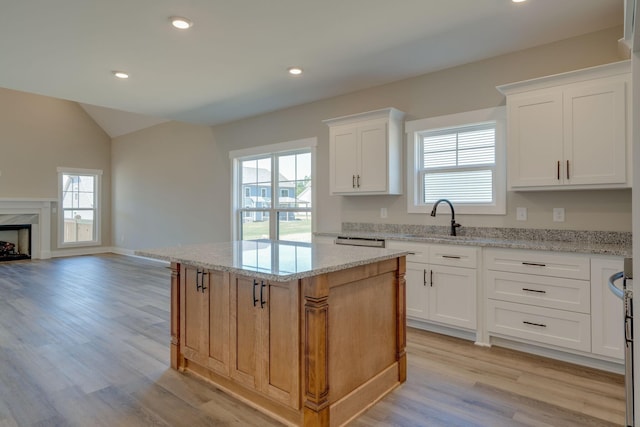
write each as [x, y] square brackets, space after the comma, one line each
[79, 215]
[460, 158]
[273, 189]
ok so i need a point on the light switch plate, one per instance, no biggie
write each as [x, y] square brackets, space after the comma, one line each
[521, 214]
[383, 212]
[558, 214]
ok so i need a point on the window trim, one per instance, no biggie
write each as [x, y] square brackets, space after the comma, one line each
[236, 156]
[97, 241]
[415, 127]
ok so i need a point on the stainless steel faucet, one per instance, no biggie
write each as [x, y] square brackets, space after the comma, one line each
[454, 224]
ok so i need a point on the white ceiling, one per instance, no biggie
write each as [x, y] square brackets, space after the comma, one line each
[232, 63]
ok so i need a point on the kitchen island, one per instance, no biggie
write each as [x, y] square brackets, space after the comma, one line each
[311, 334]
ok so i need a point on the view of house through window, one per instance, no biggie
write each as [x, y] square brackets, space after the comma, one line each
[78, 213]
[276, 194]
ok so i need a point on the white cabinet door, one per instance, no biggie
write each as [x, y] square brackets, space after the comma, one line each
[373, 166]
[595, 133]
[365, 153]
[452, 296]
[571, 130]
[417, 290]
[344, 158]
[535, 138]
[607, 315]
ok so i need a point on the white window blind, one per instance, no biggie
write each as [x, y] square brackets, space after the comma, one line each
[458, 164]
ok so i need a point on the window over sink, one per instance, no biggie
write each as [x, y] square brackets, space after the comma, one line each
[459, 157]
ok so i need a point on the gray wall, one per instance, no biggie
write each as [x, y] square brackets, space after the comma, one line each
[38, 134]
[172, 182]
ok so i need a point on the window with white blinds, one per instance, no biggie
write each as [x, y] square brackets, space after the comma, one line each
[458, 164]
[461, 158]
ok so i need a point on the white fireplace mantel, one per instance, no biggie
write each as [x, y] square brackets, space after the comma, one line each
[40, 232]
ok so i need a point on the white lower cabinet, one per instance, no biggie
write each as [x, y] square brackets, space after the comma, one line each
[540, 297]
[441, 283]
[557, 300]
[607, 314]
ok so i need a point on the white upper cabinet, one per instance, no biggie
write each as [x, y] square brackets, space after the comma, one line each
[365, 153]
[570, 131]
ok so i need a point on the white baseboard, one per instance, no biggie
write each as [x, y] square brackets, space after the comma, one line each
[89, 250]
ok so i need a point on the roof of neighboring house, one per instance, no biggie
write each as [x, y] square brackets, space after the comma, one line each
[261, 175]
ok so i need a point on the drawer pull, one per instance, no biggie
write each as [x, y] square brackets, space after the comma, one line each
[542, 325]
[412, 253]
[451, 256]
[534, 290]
[535, 264]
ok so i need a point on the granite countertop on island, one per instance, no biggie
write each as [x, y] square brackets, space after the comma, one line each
[585, 242]
[274, 260]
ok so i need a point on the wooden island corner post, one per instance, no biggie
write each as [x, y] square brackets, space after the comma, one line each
[317, 337]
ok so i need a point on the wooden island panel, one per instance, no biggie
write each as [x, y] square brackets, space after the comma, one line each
[316, 351]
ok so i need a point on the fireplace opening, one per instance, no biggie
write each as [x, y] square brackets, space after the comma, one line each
[15, 242]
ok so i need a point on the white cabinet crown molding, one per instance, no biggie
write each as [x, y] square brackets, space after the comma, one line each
[576, 76]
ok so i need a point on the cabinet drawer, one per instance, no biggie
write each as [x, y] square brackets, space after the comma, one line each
[455, 256]
[418, 252]
[543, 291]
[544, 325]
[538, 263]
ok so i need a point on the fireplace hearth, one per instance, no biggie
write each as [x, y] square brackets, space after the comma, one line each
[15, 242]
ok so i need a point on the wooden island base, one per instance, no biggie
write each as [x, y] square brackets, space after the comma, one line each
[316, 351]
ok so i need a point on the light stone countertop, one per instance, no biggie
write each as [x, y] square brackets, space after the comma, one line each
[272, 260]
[583, 243]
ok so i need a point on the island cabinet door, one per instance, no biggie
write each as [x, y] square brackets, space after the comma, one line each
[205, 318]
[280, 342]
[245, 326]
[265, 337]
[217, 296]
[193, 315]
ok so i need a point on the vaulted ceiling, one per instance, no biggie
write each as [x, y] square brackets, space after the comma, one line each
[232, 63]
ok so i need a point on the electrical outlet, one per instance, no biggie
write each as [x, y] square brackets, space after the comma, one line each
[521, 214]
[558, 214]
[383, 212]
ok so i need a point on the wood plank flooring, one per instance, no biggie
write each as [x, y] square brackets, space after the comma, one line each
[84, 341]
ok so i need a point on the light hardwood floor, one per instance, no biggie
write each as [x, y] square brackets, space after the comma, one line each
[84, 341]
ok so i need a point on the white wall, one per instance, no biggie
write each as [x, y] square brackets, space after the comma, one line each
[148, 200]
[38, 134]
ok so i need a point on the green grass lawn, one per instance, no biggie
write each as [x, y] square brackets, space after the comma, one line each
[299, 230]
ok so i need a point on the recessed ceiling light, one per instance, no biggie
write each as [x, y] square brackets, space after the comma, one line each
[121, 74]
[518, 1]
[181, 23]
[295, 71]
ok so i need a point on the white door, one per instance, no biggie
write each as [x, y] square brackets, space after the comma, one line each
[452, 296]
[595, 133]
[343, 161]
[417, 290]
[607, 314]
[535, 139]
[372, 175]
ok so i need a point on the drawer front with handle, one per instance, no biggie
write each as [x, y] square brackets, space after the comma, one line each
[539, 263]
[542, 291]
[418, 252]
[544, 325]
[454, 256]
